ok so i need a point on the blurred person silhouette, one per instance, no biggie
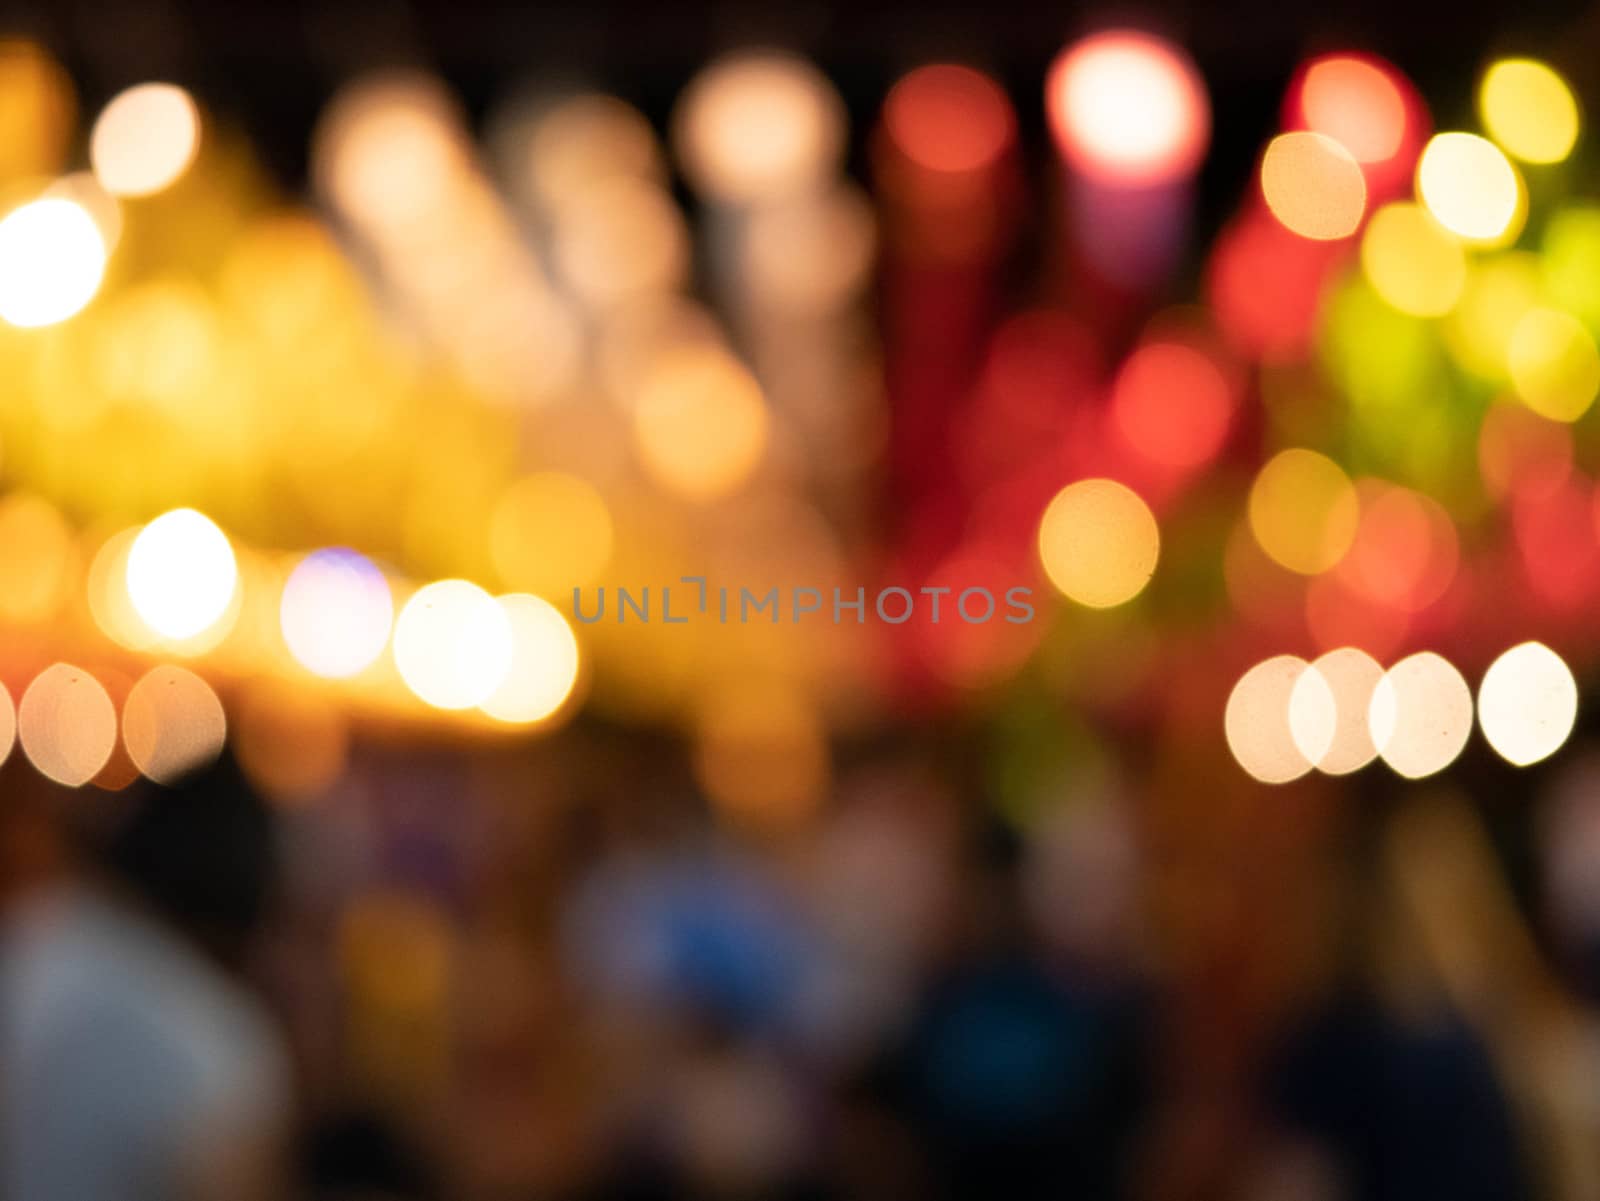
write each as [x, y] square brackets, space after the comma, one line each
[1396, 1084]
[1022, 1072]
[134, 1064]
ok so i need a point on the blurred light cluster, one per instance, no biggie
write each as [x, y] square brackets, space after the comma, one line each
[1286, 716]
[506, 367]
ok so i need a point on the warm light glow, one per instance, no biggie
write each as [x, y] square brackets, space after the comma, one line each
[550, 533]
[336, 613]
[1099, 542]
[1303, 511]
[8, 724]
[544, 662]
[67, 724]
[700, 422]
[1313, 185]
[1172, 404]
[756, 127]
[1529, 110]
[949, 118]
[1527, 704]
[1413, 263]
[37, 559]
[1405, 552]
[1348, 676]
[1421, 715]
[290, 742]
[172, 724]
[453, 644]
[1357, 103]
[52, 258]
[587, 139]
[1554, 365]
[144, 139]
[1258, 723]
[1500, 292]
[1471, 188]
[1128, 108]
[181, 574]
[761, 754]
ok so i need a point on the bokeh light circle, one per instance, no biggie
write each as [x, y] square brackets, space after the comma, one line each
[1129, 108]
[1098, 542]
[1529, 110]
[172, 723]
[1471, 188]
[1357, 103]
[1413, 262]
[1259, 721]
[1554, 365]
[453, 644]
[1349, 676]
[1313, 186]
[144, 139]
[1303, 511]
[336, 612]
[1420, 715]
[1527, 704]
[67, 724]
[52, 259]
[544, 662]
[181, 574]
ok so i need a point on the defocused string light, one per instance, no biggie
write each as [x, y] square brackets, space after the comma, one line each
[336, 612]
[181, 574]
[1313, 185]
[52, 259]
[1421, 715]
[1261, 715]
[544, 662]
[1471, 188]
[453, 644]
[67, 724]
[1098, 543]
[1349, 676]
[1128, 108]
[37, 108]
[172, 723]
[1303, 511]
[1413, 263]
[758, 126]
[1529, 109]
[144, 139]
[1527, 704]
[1554, 364]
[949, 118]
